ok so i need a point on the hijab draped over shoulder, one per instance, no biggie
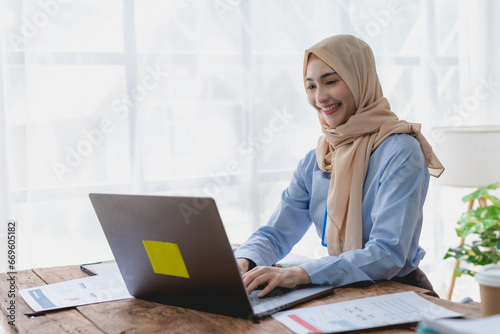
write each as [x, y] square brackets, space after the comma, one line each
[345, 151]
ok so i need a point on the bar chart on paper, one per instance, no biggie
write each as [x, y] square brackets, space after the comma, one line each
[363, 313]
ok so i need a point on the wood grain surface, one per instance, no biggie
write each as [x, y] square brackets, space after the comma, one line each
[139, 316]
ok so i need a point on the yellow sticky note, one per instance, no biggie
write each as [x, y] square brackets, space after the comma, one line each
[166, 258]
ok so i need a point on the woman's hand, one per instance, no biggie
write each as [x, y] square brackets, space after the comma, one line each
[273, 277]
[243, 265]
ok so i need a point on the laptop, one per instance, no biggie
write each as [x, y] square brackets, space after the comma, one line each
[174, 250]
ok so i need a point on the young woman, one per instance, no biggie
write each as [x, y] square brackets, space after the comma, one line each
[363, 187]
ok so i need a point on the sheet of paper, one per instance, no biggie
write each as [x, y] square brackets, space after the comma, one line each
[363, 313]
[464, 326]
[99, 268]
[77, 292]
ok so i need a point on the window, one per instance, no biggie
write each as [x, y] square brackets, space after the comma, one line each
[196, 98]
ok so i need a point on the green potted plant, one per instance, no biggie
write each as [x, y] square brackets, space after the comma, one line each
[484, 224]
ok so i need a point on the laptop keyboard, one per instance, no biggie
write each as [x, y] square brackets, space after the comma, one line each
[270, 297]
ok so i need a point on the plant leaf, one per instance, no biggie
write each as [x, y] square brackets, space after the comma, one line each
[480, 192]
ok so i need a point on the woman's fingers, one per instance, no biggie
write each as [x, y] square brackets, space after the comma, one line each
[269, 287]
[270, 277]
[255, 277]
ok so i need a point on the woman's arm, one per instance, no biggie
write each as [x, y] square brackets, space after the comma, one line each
[287, 225]
[395, 190]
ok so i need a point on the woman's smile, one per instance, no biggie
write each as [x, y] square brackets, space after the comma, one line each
[330, 109]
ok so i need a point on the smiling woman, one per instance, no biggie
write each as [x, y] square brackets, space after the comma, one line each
[369, 175]
[207, 98]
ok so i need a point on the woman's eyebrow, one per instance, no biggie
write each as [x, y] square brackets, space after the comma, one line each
[322, 76]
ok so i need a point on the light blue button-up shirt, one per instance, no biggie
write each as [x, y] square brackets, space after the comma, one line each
[393, 196]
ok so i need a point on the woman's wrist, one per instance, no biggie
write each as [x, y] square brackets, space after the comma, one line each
[301, 275]
[247, 263]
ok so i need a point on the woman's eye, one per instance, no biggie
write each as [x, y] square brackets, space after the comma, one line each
[311, 87]
[331, 82]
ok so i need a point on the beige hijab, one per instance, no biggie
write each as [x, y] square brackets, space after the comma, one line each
[345, 150]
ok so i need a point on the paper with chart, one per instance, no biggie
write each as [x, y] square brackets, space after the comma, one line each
[77, 292]
[363, 313]
[488, 324]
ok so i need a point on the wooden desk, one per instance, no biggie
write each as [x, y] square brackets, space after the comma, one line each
[139, 316]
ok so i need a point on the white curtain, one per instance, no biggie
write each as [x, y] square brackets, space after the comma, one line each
[206, 98]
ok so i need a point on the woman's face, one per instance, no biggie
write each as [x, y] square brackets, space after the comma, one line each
[328, 93]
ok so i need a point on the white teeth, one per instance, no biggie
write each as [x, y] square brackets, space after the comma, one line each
[330, 108]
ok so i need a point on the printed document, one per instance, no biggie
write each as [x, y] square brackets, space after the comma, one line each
[464, 326]
[363, 313]
[77, 292]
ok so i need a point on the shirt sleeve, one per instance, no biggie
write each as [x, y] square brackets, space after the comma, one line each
[396, 187]
[287, 225]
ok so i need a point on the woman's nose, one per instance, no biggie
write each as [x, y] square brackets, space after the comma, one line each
[321, 96]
